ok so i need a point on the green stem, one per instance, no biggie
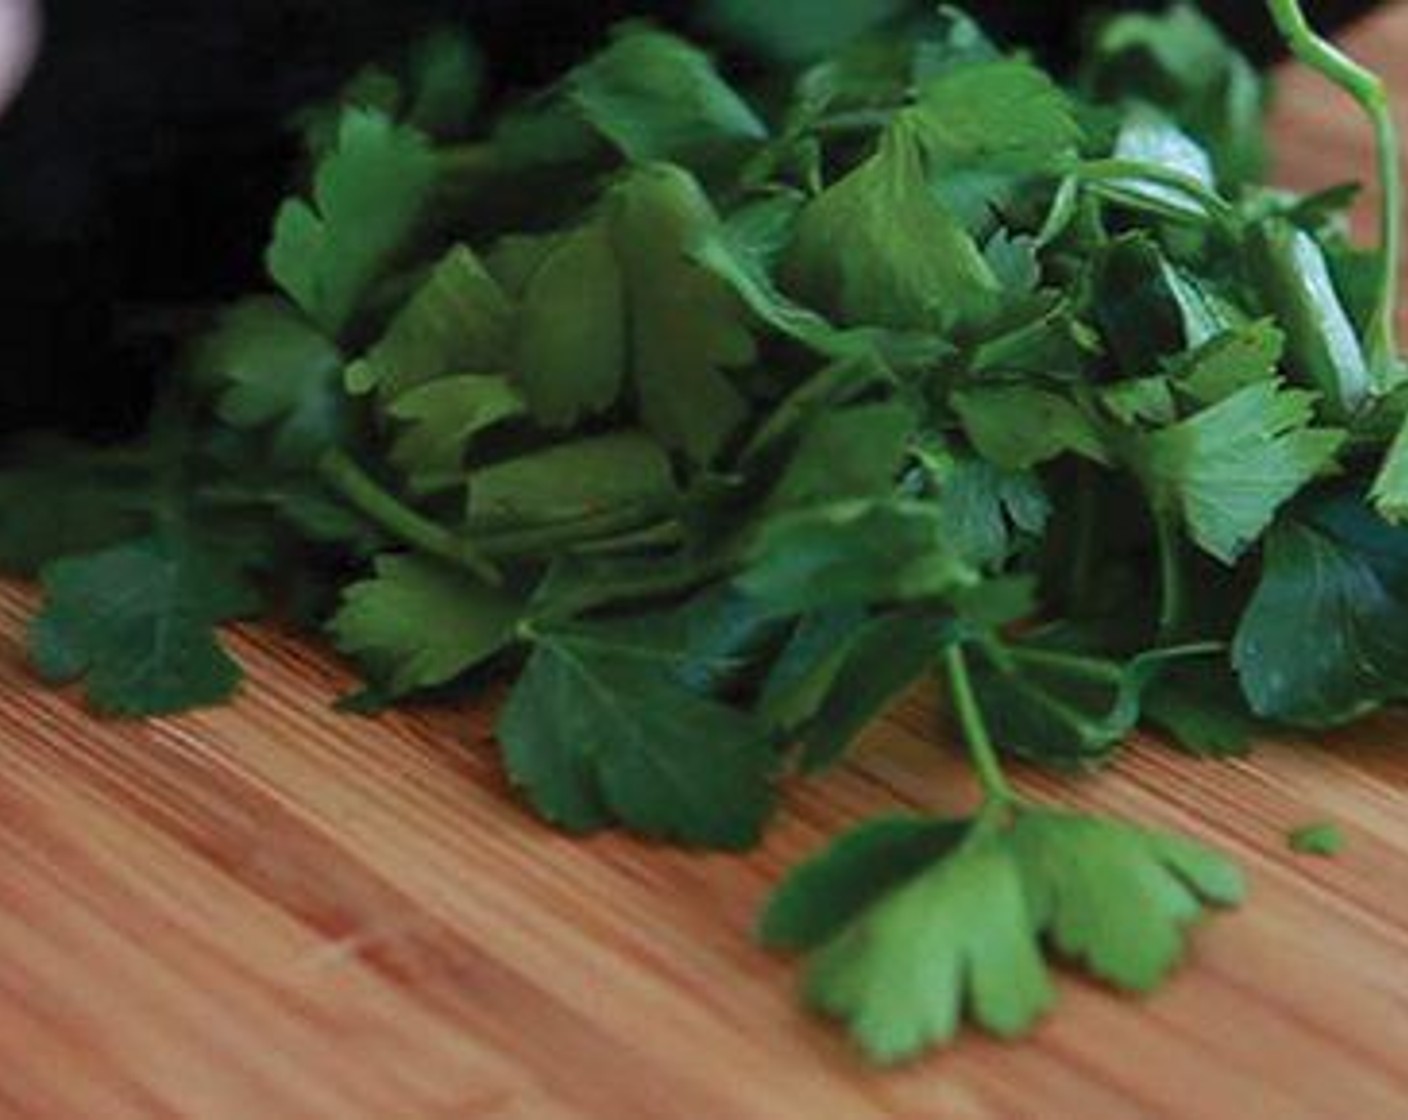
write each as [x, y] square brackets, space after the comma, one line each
[1369, 90]
[477, 551]
[981, 748]
[1172, 606]
[534, 540]
[1073, 664]
[402, 522]
[1115, 169]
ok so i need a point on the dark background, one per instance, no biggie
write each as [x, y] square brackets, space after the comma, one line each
[142, 163]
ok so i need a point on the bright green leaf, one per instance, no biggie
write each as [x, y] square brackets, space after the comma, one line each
[369, 198]
[416, 623]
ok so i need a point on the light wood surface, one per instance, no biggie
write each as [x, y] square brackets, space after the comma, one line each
[272, 912]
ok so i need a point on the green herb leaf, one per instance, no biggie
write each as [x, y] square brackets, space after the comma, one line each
[656, 97]
[853, 553]
[1321, 839]
[687, 328]
[1116, 898]
[1337, 572]
[272, 369]
[1323, 348]
[1228, 469]
[572, 340]
[457, 322]
[599, 729]
[137, 623]
[1018, 427]
[369, 198]
[442, 419]
[915, 924]
[417, 624]
[954, 937]
[574, 480]
[879, 249]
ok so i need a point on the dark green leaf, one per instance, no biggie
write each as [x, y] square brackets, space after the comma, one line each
[369, 197]
[417, 624]
[137, 623]
[599, 729]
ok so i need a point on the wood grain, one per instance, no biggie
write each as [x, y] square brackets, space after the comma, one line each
[272, 912]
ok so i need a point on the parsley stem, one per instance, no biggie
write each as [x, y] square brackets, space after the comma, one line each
[981, 748]
[530, 540]
[478, 551]
[1370, 91]
[1116, 169]
[402, 522]
[1171, 603]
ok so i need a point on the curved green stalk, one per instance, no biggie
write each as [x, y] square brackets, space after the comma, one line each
[1370, 91]
[476, 552]
[402, 522]
[1172, 605]
[982, 750]
[1116, 169]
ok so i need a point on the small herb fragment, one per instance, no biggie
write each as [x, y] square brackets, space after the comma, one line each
[1321, 839]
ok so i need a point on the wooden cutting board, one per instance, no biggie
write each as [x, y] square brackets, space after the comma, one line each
[272, 912]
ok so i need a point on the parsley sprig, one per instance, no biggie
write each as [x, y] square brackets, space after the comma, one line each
[717, 417]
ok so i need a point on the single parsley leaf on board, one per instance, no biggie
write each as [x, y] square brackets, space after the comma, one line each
[911, 926]
[657, 97]
[271, 368]
[1325, 636]
[369, 198]
[853, 554]
[440, 421]
[1227, 470]
[1117, 898]
[823, 895]
[600, 729]
[574, 480]
[137, 623]
[1323, 838]
[879, 249]
[457, 322]
[416, 623]
[914, 924]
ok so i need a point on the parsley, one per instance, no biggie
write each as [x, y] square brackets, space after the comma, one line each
[718, 415]
[1320, 839]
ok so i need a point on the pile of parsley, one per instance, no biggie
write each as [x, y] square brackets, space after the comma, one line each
[717, 417]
